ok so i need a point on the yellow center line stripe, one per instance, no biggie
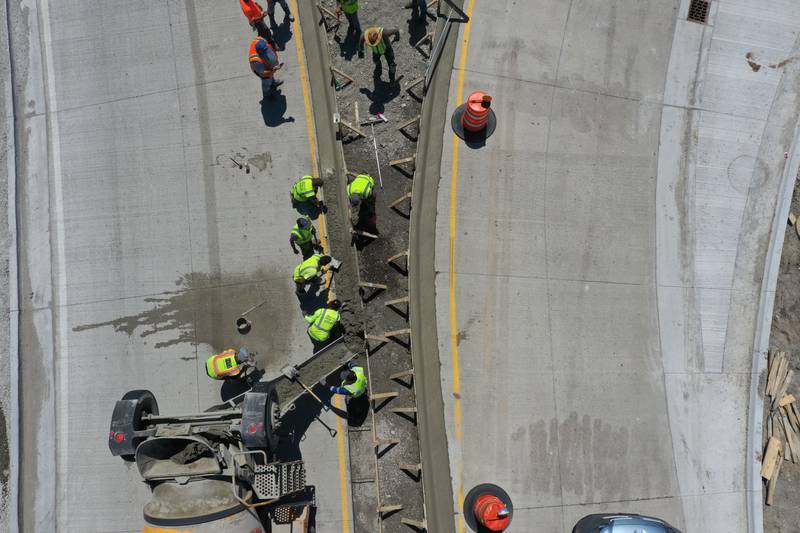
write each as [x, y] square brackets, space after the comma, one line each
[462, 64]
[312, 148]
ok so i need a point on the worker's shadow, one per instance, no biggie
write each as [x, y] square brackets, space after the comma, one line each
[348, 47]
[295, 425]
[282, 33]
[232, 388]
[316, 297]
[273, 109]
[417, 28]
[308, 209]
[383, 93]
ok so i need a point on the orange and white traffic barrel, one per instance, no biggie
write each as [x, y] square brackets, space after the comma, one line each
[474, 120]
[487, 507]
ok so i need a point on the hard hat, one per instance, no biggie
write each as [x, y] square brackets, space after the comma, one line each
[354, 199]
[372, 36]
[261, 46]
[303, 222]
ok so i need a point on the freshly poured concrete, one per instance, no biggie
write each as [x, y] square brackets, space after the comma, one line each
[610, 243]
[141, 241]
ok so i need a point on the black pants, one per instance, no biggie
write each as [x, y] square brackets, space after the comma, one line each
[389, 54]
[263, 31]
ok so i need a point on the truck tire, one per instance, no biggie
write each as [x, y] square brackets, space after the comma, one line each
[126, 420]
[260, 417]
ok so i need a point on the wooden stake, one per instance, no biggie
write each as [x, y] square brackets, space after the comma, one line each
[773, 482]
[402, 161]
[403, 374]
[384, 395]
[786, 400]
[770, 459]
[341, 73]
[421, 525]
[383, 509]
[406, 196]
[363, 233]
[407, 123]
[352, 128]
[369, 285]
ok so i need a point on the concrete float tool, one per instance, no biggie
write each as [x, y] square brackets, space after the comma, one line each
[292, 373]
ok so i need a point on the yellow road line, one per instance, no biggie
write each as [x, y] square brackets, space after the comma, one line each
[312, 148]
[462, 64]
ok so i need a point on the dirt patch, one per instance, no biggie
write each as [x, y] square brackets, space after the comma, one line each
[784, 515]
[382, 260]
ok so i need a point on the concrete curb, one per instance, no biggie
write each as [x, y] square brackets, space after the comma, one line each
[755, 506]
[13, 293]
[437, 481]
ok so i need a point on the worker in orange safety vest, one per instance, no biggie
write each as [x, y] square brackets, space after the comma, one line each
[255, 16]
[264, 62]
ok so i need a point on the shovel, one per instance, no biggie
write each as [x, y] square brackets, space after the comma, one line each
[291, 372]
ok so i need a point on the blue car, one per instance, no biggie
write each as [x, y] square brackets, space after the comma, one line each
[622, 523]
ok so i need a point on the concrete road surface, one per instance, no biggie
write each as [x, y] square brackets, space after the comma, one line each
[600, 260]
[141, 240]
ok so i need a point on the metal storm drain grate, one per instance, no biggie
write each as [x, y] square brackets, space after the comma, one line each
[698, 11]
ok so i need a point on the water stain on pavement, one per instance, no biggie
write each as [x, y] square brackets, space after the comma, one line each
[205, 309]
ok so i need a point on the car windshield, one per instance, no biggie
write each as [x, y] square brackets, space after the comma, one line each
[627, 525]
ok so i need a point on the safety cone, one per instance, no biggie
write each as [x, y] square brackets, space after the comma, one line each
[487, 508]
[474, 121]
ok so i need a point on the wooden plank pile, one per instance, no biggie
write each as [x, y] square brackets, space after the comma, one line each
[782, 424]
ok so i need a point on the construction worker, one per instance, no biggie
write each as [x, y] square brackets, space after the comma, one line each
[264, 62]
[231, 364]
[354, 382]
[350, 10]
[323, 321]
[271, 11]
[305, 236]
[310, 271]
[305, 190]
[361, 189]
[255, 16]
[377, 38]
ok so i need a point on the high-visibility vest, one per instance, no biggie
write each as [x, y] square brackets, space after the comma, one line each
[303, 189]
[360, 386]
[320, 329]
[349, 6]
[301, 235]
[251, 10]
[307, 269]
[223, 365]
[255, 58]
[362, 186]
[380, 47]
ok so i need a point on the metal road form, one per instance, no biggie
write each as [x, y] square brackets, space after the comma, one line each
[153, 209]
[600, 262]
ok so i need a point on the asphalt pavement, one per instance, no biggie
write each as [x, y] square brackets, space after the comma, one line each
[154, 209]
[600, 260]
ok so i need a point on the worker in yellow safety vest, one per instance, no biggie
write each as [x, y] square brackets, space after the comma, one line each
[361, 189]
[354, 382]
[231, 364]
[310, 271]
[350, 10]
[305, 236]
[305, 190]
[323, 321]
[377, 38]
